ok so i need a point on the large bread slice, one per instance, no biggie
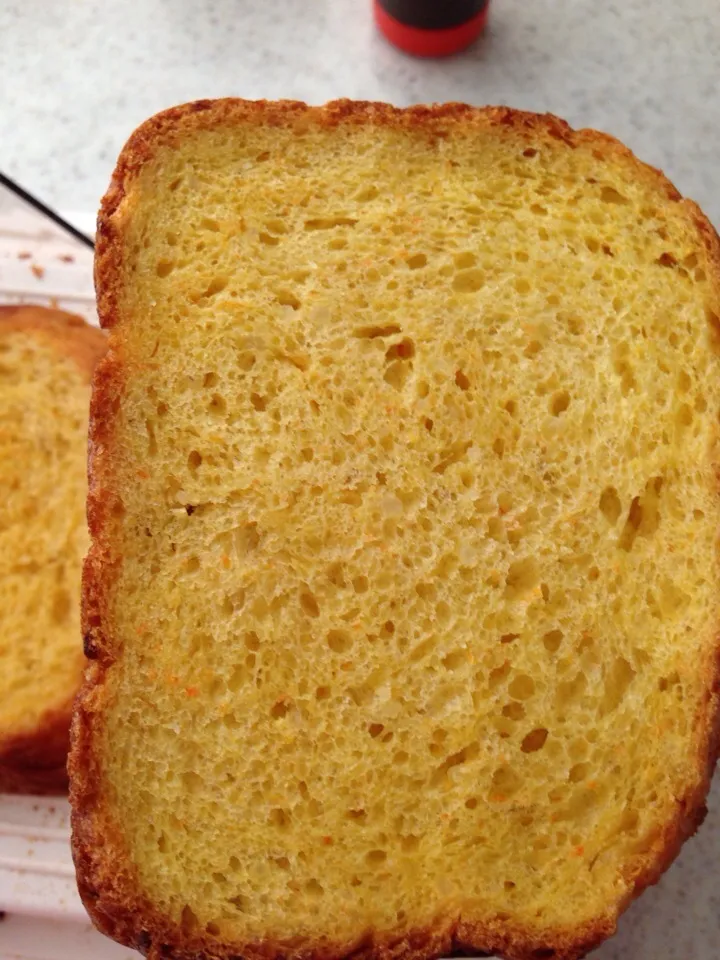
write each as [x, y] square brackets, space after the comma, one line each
[46, 361]
[403, 590]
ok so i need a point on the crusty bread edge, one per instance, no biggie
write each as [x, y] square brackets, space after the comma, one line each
[105, 875]
[69, 334]
[34, 761]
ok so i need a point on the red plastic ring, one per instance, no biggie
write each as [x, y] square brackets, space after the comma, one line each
[430, 43]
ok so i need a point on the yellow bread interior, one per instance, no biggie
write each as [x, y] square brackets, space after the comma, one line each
[419, 582]
[44, 397]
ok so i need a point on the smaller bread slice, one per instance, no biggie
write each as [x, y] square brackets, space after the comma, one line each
[46, 363]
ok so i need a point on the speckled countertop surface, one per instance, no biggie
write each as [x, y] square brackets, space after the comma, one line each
[76, 76]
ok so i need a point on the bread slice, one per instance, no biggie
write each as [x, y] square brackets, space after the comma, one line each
[46, 361]
[402, 597]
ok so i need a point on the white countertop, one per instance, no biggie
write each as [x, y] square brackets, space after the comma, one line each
[76, 76]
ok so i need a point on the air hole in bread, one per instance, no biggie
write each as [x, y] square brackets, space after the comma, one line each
[216, 285]
[469, 281]
[522, 577]
[339, 641]
[376, 858]
[397, 373]
[579, 772]
[366, 193]
[164, 268]
[61, 606]
[610, 505]
[188, 921]
[559, 403]
[498, 675]
[522, 687]
[280, 709]
[279, 818]
[218, 405]
[611, 195]
[309, 604]
[404, 350]
[514, 710]
[464, 261]
[240, 902]
[685, 415]
[287, 299]
[329, 223]
[617, 678]
[417, 261]
[505, 782]
[534, 741]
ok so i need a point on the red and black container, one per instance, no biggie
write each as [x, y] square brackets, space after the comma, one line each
[431, 28]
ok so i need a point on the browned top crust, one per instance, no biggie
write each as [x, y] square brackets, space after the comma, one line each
[105, 877]
[68, 333]
[35, 762]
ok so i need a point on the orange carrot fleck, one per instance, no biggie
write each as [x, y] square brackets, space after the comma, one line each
[192, 691]
[225, 560]
[143, 474]
[328, 841]
[579, 851]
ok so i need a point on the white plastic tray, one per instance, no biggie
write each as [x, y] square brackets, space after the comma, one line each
[40, 264]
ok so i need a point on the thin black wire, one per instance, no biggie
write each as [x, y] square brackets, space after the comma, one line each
[55, 217]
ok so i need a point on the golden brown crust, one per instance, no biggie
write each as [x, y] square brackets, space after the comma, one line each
[104, 876]
[35, 761]
[69, 334]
